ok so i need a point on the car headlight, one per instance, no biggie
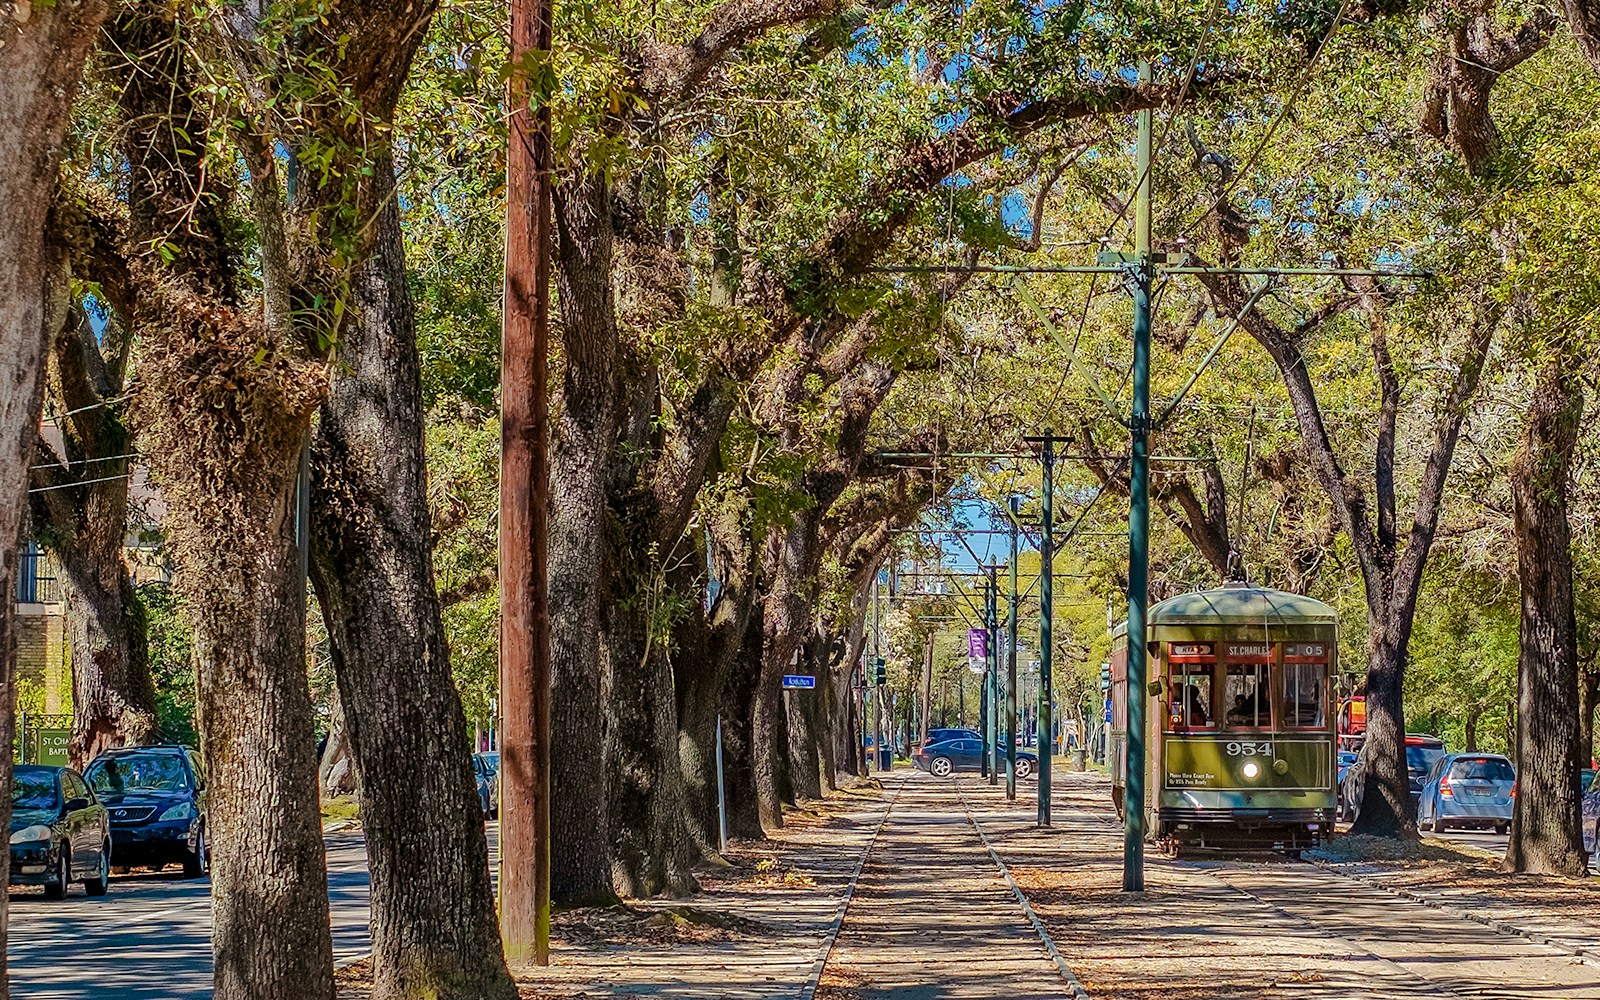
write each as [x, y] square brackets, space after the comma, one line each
[31, 834]
[183, 810]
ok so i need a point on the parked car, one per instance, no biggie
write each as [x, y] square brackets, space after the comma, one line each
[1346, 759]
[156, 796]
[1422, 752]
[487, 774]
[1468, 790]
[965, 754]
[59, 832]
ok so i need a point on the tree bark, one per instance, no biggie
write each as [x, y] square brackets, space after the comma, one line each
[585, 433]
[373, 570]
[263, 828]
[81, 516]
[336, 772]
[40, 65]
[1546, 825]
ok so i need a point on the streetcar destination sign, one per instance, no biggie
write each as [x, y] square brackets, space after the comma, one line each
[799, 681]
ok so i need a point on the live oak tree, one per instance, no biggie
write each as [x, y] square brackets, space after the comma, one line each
[234, 364]
[41, 63]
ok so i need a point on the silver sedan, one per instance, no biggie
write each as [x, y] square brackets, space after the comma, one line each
[1467, 789]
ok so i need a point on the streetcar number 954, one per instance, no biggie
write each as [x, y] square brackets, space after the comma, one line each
[1249, 749]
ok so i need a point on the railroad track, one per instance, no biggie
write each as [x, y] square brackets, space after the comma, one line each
[934, 907]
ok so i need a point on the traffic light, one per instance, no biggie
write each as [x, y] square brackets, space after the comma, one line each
[1105, 677]
[882, 672]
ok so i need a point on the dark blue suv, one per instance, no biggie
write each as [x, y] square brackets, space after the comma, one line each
[156, 796]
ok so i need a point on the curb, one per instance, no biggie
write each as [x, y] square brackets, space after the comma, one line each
[1073, 983]
[1588, 956]
[809, 991]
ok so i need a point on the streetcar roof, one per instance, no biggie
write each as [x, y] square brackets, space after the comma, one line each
[1239, 605]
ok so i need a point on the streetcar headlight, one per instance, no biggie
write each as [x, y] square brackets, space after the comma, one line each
[1252, 770]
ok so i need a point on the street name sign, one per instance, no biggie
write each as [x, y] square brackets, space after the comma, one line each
[805, 681]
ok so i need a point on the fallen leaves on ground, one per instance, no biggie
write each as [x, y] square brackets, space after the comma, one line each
[650, 924]
[354, 982]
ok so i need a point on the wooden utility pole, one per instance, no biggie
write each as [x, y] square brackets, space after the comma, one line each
[524, 491]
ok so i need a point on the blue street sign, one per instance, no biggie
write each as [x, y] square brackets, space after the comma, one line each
[799, 681]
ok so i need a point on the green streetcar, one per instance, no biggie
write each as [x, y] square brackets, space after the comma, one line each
[1239, 741]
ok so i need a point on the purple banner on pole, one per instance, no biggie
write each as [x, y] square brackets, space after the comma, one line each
[978, 644]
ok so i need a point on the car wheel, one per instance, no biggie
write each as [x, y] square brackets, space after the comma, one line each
[196, 864]
[98, 885]
[1440, 826]
[58, 888]
[941, 767]
[1024, 767]
[1502, 828]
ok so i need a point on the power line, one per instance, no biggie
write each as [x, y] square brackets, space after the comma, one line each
[82, 461]
[81, 482]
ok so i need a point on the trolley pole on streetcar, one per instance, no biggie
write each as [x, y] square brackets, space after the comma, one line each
[1139, 273]
[524, 488]
[1011, 665]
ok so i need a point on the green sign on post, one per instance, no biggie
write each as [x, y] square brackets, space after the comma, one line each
[52, 747]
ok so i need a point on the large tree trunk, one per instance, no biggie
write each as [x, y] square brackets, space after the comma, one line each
[652, 851]
[1386, 808]
[82, 517]
[585, 434]
[739, 755]
[1546, 825]
[227, 428]
[113, 696]
[373, 570]
[788, 556]
[45, 49]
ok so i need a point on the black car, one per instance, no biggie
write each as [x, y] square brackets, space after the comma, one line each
[156, 796]
[59, 832]
[965, 754]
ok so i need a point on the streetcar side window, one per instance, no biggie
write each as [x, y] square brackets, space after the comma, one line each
[1305, 695]
[1190, 707]
[1247, 696]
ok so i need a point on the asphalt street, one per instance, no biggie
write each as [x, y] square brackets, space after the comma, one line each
[149, 938]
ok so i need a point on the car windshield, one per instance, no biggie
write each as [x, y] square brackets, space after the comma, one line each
[1482, 769]
[145, 772]
[1422, 758]
[33, 789]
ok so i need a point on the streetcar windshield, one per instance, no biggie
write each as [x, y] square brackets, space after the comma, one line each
[1191, 696]
[1248, 696]
[1305, 695]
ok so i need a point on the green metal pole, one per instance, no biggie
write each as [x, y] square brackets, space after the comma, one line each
[994, 677]
[1138, 515]
[1047, 611]
[1011, 667]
